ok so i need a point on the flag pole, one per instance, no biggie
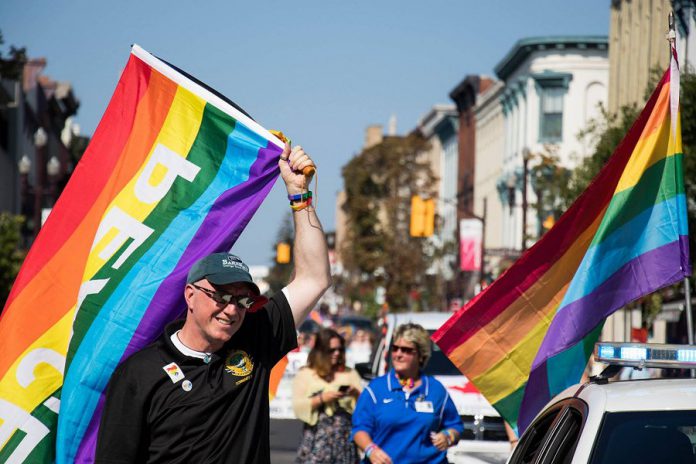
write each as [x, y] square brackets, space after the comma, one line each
[672, 38]
[689, 317]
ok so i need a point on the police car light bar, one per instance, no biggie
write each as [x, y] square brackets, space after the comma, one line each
[646, 355]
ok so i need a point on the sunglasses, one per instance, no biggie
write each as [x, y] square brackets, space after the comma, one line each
[403, 349]
[240, 301]
[340, 349]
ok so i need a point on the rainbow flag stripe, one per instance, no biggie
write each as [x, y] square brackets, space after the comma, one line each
[529, 335]
[174, 172]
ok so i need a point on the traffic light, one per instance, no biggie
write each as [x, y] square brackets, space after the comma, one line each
[549, 222]
[283, 253]
[429, 222]
[422, 216]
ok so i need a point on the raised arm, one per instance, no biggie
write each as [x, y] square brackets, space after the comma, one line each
[312, 274]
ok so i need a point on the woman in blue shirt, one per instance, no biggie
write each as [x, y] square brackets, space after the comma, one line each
[406, 416]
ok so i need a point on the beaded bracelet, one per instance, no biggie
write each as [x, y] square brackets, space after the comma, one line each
[370, 449]
[301, 206]
[300, 196]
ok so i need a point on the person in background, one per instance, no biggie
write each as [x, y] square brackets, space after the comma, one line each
[360, 347]
[324, 394]
[405, 416]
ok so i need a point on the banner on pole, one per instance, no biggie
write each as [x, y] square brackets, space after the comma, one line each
[470, 242]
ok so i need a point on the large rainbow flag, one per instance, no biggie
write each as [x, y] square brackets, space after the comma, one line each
[528, 336]
[174, 172]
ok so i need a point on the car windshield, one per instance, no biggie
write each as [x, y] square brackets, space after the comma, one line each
[646, 437]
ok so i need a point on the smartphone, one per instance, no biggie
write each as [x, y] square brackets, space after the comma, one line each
[343, 388]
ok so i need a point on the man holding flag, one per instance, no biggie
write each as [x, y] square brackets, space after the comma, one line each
[199, 394]
[173, 174]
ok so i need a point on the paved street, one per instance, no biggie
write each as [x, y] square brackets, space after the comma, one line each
[285, 437]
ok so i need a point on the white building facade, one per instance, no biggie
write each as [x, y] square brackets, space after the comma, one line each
[552, 88]
[439, 127]
[490, 145]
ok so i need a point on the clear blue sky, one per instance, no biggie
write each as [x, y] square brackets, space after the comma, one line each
[320, 70]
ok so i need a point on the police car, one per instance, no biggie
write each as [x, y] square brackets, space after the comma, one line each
[484, 439]
[634, 421]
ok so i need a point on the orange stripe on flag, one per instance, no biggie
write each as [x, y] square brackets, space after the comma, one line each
[276, 376]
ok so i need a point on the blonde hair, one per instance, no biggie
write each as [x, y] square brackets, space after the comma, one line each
[417, 335]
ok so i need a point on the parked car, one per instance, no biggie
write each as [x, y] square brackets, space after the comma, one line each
[484, 439]
[636, 421]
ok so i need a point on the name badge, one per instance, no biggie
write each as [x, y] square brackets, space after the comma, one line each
[424, 406]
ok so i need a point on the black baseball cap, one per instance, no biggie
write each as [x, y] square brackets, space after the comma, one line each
[221, 269]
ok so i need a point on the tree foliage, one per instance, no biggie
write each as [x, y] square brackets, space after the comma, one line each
[378, 250]
[11, 256]
[11, 66]
[549, 180]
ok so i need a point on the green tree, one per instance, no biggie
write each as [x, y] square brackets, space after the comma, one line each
[378, 250]
[12, 66]
[11, 256]
[549, 181]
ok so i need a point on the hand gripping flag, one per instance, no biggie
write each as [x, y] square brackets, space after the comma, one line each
[174, 172]
[528, 336]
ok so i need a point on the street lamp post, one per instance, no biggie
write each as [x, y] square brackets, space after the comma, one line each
[24, 168]
[53, 169]
[40, 141]
[471, 215]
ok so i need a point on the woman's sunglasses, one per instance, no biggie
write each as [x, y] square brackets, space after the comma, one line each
[403, 349]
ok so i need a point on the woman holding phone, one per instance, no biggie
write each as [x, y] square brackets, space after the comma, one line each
[324, 395]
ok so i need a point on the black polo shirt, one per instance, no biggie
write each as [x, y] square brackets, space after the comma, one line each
[165, 407]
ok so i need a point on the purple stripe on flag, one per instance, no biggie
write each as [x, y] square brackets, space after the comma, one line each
[642, 275]
[168, 303]
[536, 395]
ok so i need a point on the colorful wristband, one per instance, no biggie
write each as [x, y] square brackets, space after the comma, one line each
[449, 434]
[301, 206]
[300, 196]
[370, 449]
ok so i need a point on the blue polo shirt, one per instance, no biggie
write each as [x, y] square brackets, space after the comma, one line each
[400, 423]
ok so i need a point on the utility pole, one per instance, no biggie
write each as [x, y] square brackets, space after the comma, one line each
[525, 172]
[483, 242]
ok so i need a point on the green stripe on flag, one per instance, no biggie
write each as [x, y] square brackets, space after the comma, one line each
[660, 182]
[509, 406]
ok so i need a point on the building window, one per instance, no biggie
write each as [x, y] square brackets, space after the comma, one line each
[551, 123]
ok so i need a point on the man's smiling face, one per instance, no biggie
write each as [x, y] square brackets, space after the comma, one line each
[210, 324]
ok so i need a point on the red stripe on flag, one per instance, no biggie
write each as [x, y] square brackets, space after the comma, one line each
[107, 144]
